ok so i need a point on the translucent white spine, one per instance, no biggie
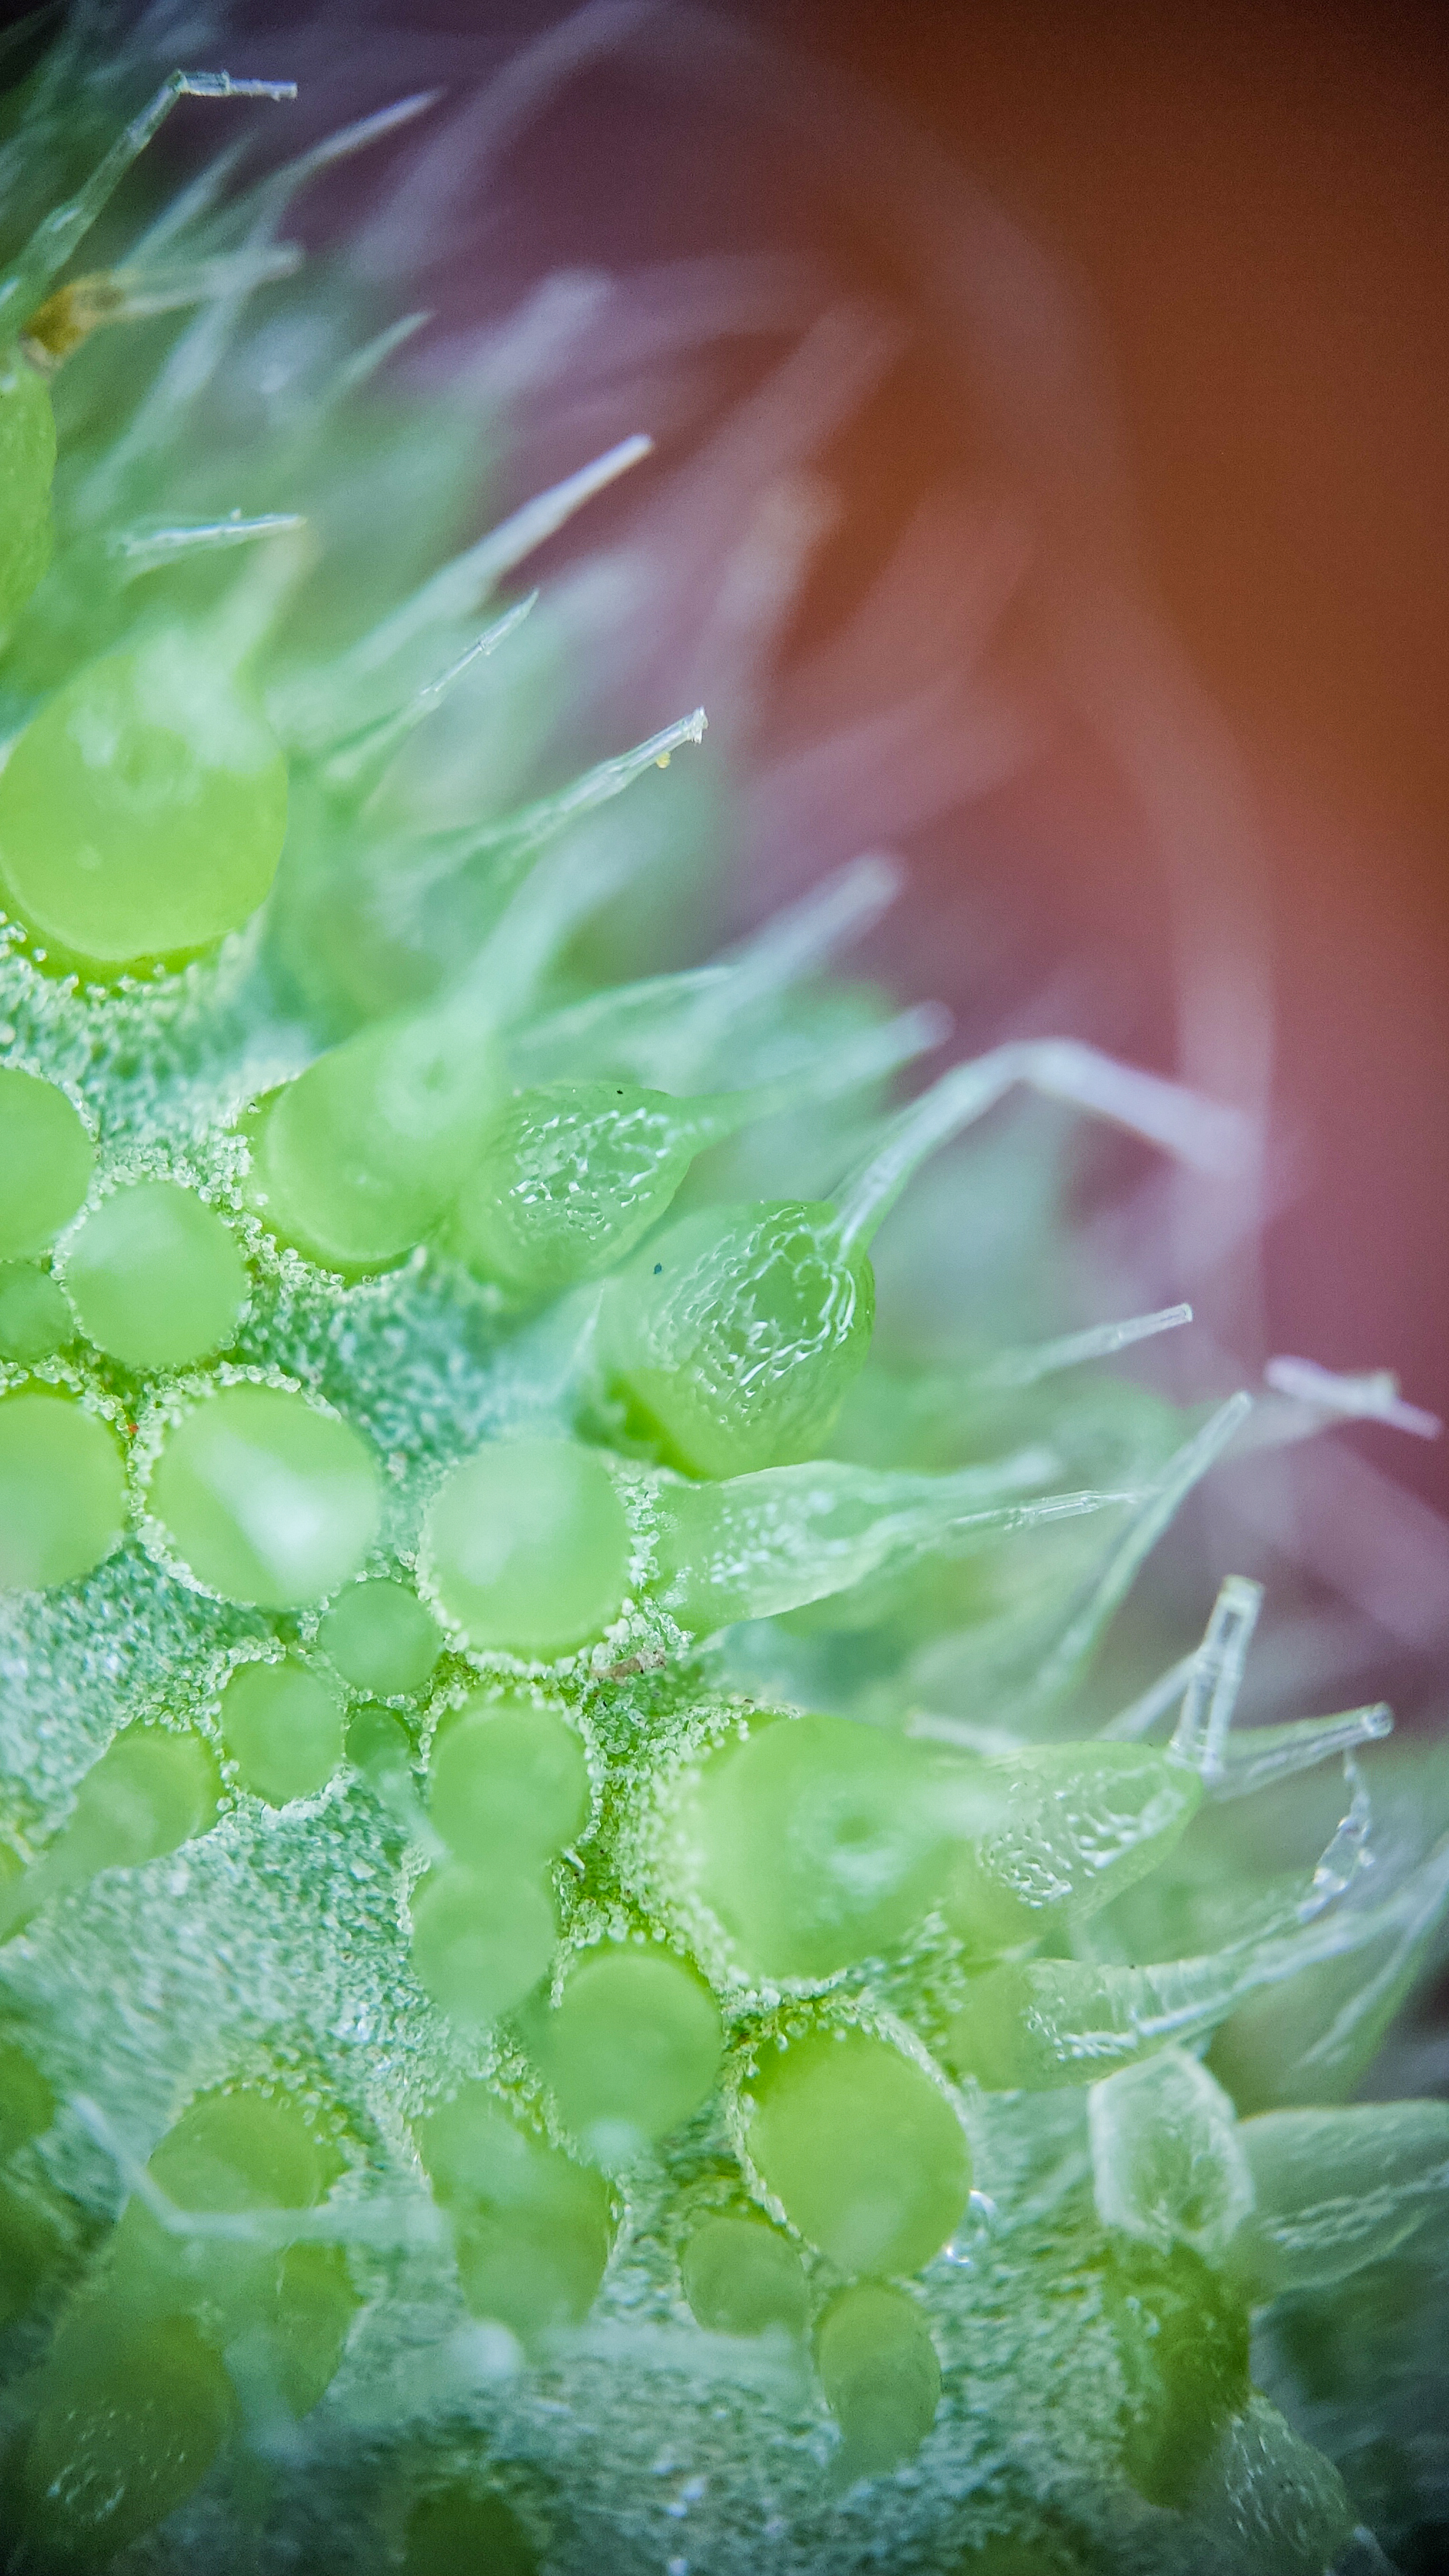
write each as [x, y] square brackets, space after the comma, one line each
[1199, 1131]
[1187, 1466]
[1217, 1677]
[668, 1029]
[65, 227]
[1025, 1368]
[463, 586]
[757, 1545]
[1206, 1684]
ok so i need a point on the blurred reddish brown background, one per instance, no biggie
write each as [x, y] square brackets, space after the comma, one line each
[1256, 201]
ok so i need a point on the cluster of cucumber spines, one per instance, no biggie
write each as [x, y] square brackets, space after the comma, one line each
[393, 1478]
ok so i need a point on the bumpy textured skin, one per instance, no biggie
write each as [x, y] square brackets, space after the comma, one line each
[1091, 2335]
[734, 1335]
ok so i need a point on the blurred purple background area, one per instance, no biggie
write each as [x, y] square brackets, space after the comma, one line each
[1091, 368]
